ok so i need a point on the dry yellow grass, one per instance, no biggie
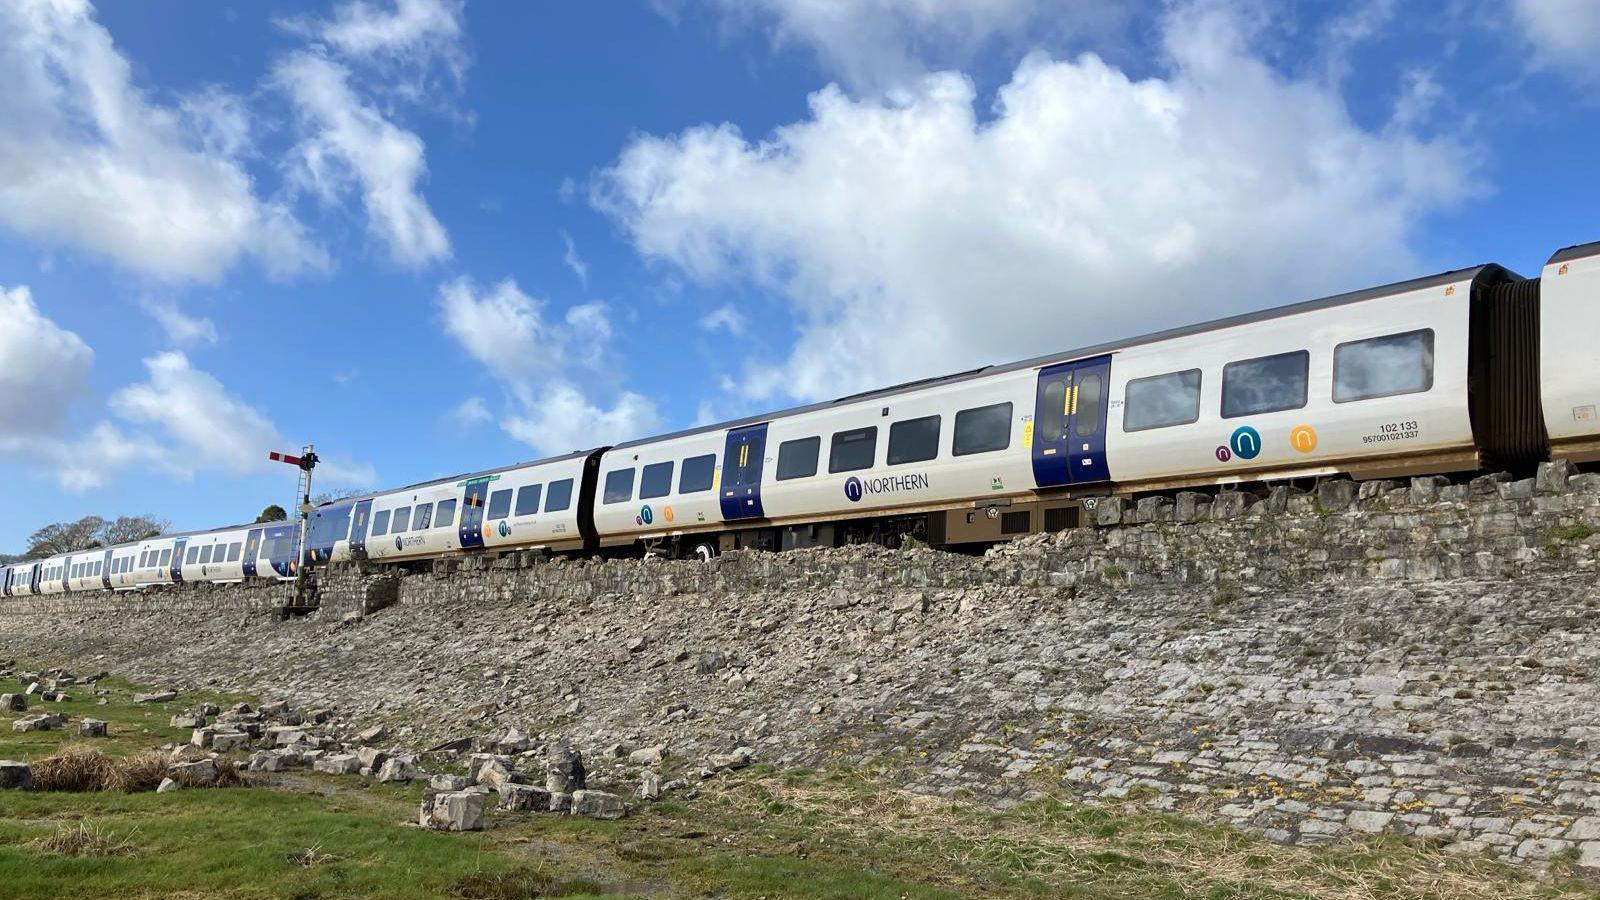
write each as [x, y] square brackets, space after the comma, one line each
[77, 767]
[138, 773]
[83, 839]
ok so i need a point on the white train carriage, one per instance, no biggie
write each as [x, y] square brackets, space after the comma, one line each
[154, 563]
[213, 556]
[1568, 321]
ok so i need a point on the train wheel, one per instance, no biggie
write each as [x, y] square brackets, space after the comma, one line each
[706, 551]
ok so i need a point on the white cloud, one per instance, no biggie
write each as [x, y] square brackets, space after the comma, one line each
[44, 368]
[87, 160]
[916, 235]
[472, 411]
[1564, 34]
[725, 316]
[549, 367]
[197, 414]
[573, 260]
[349, 144]
[182, 329]
[883, 44]
[411, 31]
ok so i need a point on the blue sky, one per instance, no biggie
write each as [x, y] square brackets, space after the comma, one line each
[435, 236]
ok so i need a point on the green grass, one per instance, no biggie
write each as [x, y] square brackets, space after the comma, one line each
[766, 833]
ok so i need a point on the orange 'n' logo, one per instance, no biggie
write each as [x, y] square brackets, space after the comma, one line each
[1303, 438]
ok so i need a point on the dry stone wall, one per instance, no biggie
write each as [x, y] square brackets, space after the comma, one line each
[1417, 658]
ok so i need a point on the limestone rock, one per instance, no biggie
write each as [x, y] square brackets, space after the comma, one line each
[337, 764]
[456, 811]
[598, 805]
[523, 797]
[15, 776]
[92, 728]
[158, 697]
[13, 703]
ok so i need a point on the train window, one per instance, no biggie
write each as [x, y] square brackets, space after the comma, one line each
[655, 481]
[144, 559]
[446, 514]
[205, 555]
[528, 499]
[982, 430]
[500, 504]
[854, 449]
[380, 523]
[914, 440]
[798, 458]
[619, 486]
[1383, 366]
[1090, 406]
[192, 557]
[166, 558]
[402, 520]
[1161, 401]
[1053, 412]
[423, 517]
[697, 473]
[97, 565]
[1265, 384]
[233, 552]
[558, 496]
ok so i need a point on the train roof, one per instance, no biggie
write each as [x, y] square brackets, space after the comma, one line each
[576, 454]
[1576, 251]
[1401, 287]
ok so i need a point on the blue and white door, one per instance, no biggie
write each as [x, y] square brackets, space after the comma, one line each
[741, 472]
[1069, 423]
[360, 518]
[252, 551]
[178, 547]
[471, 533]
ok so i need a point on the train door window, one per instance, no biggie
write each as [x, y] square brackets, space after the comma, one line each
[982, 429]
[697, 473]
[914, 440]
[1266, 384]
[798, 458]
[446, 514]
[166, 558]
[1383, 366]
[1053, 414]
[528, 499]
[192, 557]
[380, 523]
[1161, 401]
[233, 551]
[619, 486]
[854, 449]
[402, 520]
[1091, 405]
[500, 504]
[205, 555]
[655, 481]
[422, 518]
[559, 497]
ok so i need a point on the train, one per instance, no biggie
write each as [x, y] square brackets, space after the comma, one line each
[1473, 369]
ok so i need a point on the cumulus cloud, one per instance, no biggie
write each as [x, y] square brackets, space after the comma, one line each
[87, 160]
[724, 316]
[44, 368]
[573, 260]
[181, 328]
[349, 145]
[1564, 34]
[916, 234]
[406, 32]
[549, 366]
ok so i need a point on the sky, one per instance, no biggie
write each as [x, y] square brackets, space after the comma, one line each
[435, 236]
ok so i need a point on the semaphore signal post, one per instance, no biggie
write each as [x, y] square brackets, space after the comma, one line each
[305, 462]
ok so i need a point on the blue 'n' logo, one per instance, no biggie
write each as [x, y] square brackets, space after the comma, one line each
[1246, 442]
[852, 489]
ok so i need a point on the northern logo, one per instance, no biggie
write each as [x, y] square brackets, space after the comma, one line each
[645, 516]
[504, 528]
[1245, 442]
[852, 489]
[855, 488]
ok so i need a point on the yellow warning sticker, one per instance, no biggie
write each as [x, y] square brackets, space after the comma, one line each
[1027, 434]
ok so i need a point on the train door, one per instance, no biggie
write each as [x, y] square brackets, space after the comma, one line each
[1069, 423]
[252, 551]
[177, 558]
[359, 519]
[741, 472]
[105, 571]
[471, 531]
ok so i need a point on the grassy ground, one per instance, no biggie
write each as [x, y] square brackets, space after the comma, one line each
[762, 834]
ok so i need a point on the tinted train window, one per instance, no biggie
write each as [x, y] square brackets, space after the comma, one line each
[402, 520]
[1053, 412]
[446, 516]
[983, 429]
[1383, 367]
[1161, 401]
[144, 559]
[1267, 384]
[697, 473]
[619, 486]
[380, 523]
[166, 557]
[853, 450]
[1091, 406]
[423, 517]
[233, 552]
[192, 557]
[914, 440]
[528, 499]
[500, 504]
[205, 555]
[798, 459]
[559, 496]
[656, 481]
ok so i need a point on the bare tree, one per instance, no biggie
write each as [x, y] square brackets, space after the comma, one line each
[66, 537]
[330, 496]
[126, 529]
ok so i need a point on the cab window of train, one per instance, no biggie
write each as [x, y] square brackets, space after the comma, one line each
[914, 440]
[1383, 366]
[619, 486]
[697, 473]
[852, 450]
[1053, 411]
[559, 497]
[528, 499]
[423, 517]
[1267, 384]
[656, 481]
[1091, 406]
[402, 520]
[233, 552]
[380, 523]
[500, 504]
[446, 514]
[798, 458]
[1161, 401]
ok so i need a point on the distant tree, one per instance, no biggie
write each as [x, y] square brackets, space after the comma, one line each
[273, 513]
[330, 496]
[66, 537]
[127, 529]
